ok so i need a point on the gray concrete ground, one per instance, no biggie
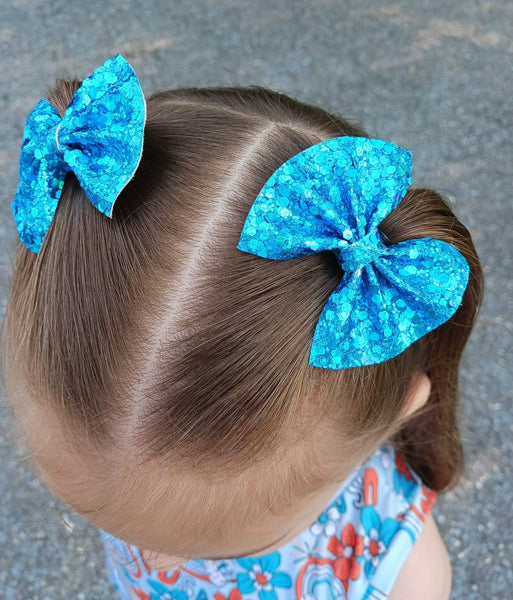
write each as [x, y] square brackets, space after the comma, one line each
[433, 77]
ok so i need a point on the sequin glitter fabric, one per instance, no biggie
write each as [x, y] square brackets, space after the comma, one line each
[99, 138]
[332, 196]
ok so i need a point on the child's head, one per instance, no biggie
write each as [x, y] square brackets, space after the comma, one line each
[160, 374]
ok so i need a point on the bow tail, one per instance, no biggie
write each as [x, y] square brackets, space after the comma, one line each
[396, 299]
[358, 325]
[333, 343]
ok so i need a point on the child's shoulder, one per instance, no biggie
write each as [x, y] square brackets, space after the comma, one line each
[426, 573]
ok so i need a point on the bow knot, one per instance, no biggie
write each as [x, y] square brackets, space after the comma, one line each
[360, 253]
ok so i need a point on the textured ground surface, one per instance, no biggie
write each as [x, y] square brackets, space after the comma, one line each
[433, 77]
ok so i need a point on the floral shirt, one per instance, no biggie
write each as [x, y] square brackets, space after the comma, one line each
[354, 550]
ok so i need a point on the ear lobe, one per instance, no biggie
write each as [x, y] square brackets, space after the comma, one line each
[418, 394]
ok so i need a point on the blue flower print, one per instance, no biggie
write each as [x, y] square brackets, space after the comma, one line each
[325, 523]
[262, 576]
[377, 538]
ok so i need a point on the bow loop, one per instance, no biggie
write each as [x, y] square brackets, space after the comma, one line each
[99, 138]
[360, 253]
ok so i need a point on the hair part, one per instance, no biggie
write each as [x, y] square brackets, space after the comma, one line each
[152, 336]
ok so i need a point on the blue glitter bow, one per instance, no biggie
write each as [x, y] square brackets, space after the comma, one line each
[332, 196]
[99, 138]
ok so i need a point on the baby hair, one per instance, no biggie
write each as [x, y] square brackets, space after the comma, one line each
[151, 335]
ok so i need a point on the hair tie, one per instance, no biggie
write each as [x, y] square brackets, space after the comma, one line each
[384, 235]
[332, 196]
[99, 138]
[57, 137]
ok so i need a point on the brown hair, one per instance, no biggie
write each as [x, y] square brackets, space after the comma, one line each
[151, 330]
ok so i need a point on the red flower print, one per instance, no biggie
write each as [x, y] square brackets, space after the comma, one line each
[234, 595]
[140, 594]
[348, 549]
[402, 467]
[429, 499]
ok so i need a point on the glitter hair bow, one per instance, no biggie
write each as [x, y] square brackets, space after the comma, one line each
[332, 196]
[99, 138]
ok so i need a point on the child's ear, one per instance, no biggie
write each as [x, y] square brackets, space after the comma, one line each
[417, 395]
